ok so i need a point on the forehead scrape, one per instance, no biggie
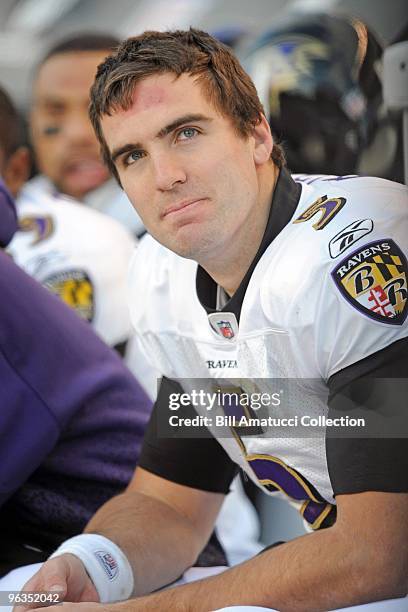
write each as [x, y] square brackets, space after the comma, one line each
[150, 92]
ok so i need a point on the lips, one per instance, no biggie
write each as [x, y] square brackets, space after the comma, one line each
[86, 173]
[85, 166]
[179, 206]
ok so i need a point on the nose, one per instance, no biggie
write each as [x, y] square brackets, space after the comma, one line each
[168, 172]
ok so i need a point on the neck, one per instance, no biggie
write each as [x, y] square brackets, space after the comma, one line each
[229, 267]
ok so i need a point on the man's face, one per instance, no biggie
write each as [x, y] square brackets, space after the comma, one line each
[66, 149]
[191, 177]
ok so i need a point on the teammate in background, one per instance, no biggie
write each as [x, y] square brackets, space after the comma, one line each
[68, 156]
[72, 416]
[318, 78]
[250, 276]
[66, 150]
[77, 253]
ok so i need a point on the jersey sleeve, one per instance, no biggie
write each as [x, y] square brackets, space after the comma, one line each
[200, 463]
[362, 305]
[359, 340]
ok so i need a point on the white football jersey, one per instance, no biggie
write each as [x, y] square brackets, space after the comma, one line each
[78, 254]
[108, 199]
[330, 290]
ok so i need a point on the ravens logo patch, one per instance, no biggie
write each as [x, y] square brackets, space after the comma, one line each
[373, 279]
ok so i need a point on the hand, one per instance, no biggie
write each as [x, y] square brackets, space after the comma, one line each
[65, 575]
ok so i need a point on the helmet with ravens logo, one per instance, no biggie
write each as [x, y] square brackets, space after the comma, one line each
[317, 79]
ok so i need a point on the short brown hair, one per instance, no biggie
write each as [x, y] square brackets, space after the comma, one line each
[224, 82]
[84, 41]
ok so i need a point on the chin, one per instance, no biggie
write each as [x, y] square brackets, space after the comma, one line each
[194, 247]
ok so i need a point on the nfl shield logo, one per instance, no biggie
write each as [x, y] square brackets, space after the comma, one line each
[108, 563]
[224, 324]
[225, 329]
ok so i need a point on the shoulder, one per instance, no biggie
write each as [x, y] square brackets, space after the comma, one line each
[161, 285]
[339, 215]
[336, 276]
[151, 260]
[70, 217]
[158, 265]
[57, 233]
[334, 216]
[350, 182]
[357, 193]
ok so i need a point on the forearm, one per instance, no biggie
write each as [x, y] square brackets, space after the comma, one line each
[158, 541]
[320, 571]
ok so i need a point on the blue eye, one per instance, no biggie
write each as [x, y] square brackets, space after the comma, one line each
[187, 133]
[133, 157]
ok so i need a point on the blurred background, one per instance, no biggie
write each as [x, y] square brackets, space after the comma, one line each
[29, 27]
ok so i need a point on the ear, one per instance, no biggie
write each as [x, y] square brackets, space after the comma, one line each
[263, 142]
[17, 170]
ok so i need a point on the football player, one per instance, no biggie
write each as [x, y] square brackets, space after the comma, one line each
[77, 253]
[251, 280]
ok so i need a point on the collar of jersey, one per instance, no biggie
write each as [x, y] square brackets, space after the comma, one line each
[284, 202]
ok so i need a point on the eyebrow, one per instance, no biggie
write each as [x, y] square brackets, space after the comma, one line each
[192, 117]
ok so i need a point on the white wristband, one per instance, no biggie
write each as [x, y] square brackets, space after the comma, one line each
[107, 566]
